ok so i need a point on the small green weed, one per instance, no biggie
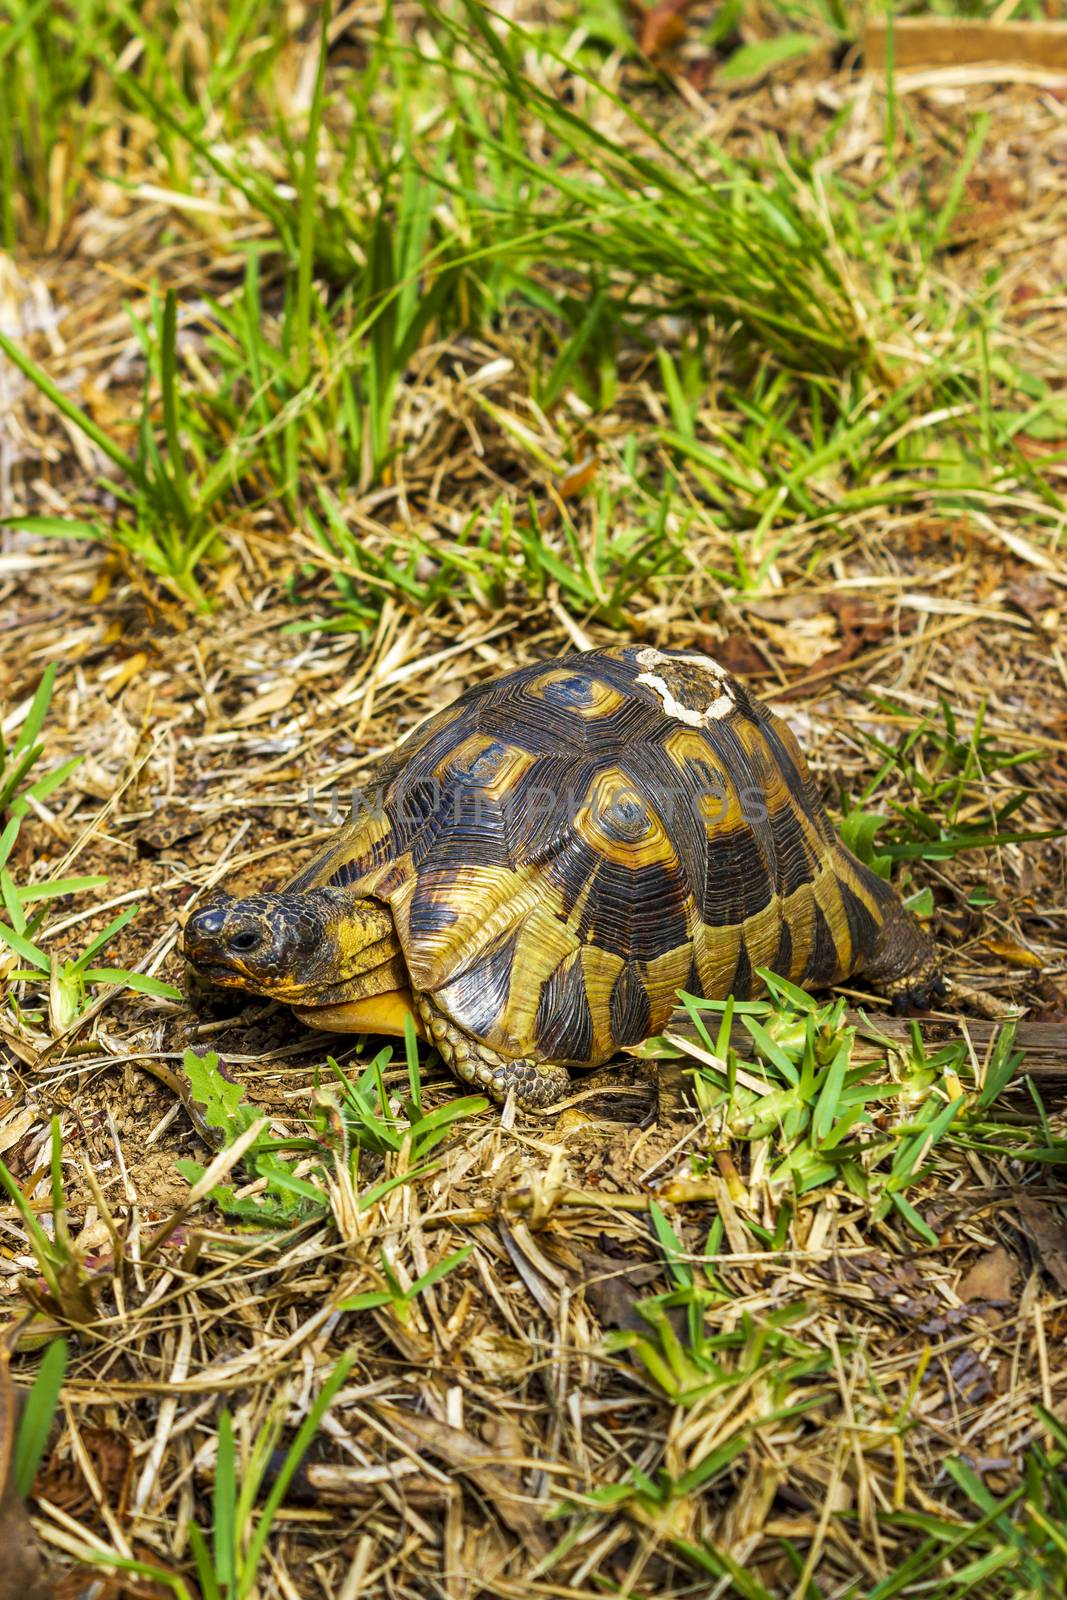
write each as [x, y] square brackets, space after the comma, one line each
[1001, 1546]
[228, 1567]
[69, 981]
[874, 1126]
[18, 759]
[944, 772]
[394, 1295]
[169, 530]
[502, 554]
[359, 1120]
[691, 1365]
[654, 1495]
[67, 1289]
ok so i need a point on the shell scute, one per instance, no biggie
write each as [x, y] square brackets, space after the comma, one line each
[631, 1009]
[563, 1025]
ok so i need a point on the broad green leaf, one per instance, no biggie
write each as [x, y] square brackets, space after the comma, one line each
[753, 60]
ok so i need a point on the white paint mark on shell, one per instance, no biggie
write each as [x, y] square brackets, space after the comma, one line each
[720, 706]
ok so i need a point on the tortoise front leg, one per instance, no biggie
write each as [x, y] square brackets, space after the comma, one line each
[535, 1083]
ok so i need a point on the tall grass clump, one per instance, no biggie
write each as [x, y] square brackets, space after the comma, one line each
[455, 174]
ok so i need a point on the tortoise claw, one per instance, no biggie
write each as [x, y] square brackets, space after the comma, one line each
[920, 996]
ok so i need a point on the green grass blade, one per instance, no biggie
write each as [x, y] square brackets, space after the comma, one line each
[308, 212]
[73, 413]
[34, 720]
[224, 1530]
[22, 947]
[297, 1450]
[35, 1424]
[140, 982]
[169, 380]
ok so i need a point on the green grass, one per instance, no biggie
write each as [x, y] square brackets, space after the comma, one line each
[61, 987]
[420, 204]
[358, 1117]
[23, 754]
[937, 782]
[59, 64]
[1000, 1546]
[64, 1289]
[875, 1127]
[228, 1563]
[38, 1415]
[64, 985]
[228, 1568]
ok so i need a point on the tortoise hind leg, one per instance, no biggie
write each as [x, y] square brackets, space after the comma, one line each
[535, 1083]
[903, 963]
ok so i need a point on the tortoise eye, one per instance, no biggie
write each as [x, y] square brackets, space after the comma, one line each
[248, 939]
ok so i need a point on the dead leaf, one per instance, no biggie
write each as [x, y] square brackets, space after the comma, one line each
[803, 641]
[663, 27]
[503, 1437]
[475, 1461]
[1048, 1232]
[115, 681]
[93, 778]
[266, 704]
[798, 625]
[62, 1482]
[862, 622]
[16, 1129]
[739, 654]
[1053, 1006]
[992, 1277]
[786, 607]
[1037, 598]
[569, 1121]
[578, 478]
[611, 1289]
[497, 1356]
[1016, 955]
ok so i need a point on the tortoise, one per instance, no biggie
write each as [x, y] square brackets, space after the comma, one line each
[544, 864]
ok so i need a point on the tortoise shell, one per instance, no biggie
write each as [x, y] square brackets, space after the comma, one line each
[567, 846]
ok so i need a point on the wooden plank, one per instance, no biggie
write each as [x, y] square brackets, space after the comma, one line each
[1044, 1043]
[957, 42]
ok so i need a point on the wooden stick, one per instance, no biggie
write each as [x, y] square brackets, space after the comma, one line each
[956, 41]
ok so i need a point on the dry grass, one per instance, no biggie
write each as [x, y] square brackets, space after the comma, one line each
[504, 1432]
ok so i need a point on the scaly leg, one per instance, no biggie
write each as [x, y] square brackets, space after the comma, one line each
[535, 1083]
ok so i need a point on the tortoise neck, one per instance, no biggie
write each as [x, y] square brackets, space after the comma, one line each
[360, 934]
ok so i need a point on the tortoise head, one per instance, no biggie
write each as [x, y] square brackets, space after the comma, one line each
[289, 946]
